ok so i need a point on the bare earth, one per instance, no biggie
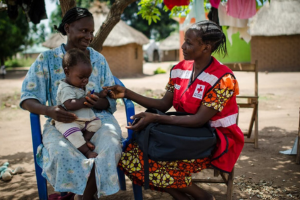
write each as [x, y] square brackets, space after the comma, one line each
[261, 173]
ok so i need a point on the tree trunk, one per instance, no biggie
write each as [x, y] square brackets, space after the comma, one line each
[112, 19]
[66, 5]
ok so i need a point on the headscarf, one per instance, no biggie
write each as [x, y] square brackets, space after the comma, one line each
[72, 15]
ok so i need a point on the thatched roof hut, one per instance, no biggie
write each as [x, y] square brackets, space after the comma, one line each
[122, 48]
[170, 47]
[275, 31]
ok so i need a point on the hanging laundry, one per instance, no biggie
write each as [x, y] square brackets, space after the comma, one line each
[213, 15]
[171, 3]
[215, 3]
[197, 12]
[235, 24]
[37, 11]
[34, 9]
[242, 9]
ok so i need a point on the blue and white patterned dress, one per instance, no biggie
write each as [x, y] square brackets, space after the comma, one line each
[65, 168]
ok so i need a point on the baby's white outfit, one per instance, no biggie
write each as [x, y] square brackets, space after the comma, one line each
[86, 119]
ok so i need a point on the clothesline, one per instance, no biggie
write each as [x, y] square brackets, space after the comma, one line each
[233, 14]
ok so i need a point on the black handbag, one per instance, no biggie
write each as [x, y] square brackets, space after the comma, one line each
[163, 142]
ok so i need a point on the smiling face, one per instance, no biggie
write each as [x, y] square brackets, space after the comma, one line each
[80, 33]
[192, 46]
[78, 75]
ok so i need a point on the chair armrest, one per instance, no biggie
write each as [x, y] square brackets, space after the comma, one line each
[248, 97]
[36, 132]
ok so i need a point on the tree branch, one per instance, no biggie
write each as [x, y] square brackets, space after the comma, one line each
[66, 5]
[112, 19]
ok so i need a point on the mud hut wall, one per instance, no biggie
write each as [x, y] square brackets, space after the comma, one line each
[170, 55]
[276, 53]
[124, 61]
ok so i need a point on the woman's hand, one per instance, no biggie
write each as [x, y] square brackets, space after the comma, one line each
[116, 91]
[91, 100]
[97, 100]
[144, 119]
[58, 113]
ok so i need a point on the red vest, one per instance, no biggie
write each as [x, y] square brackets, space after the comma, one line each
[188, 99]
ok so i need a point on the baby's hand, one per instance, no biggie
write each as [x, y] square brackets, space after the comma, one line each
[103, 93]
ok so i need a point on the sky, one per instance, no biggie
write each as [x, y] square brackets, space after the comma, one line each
[50, 6]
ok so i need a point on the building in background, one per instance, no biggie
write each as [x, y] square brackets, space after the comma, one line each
[275, 31]
[122, 48]
[34, 51]
[169, 48]
[152, 52]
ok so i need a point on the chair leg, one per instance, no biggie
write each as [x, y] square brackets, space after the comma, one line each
[230, 185]
[41, 183]
[298, 144]
[256, 128]
[137, 192]
[122, 181]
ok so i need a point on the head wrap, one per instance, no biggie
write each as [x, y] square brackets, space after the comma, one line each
[72, 15]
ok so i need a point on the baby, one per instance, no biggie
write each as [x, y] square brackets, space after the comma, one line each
[71, 95]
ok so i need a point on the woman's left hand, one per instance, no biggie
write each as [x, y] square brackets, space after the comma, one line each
[143, 118]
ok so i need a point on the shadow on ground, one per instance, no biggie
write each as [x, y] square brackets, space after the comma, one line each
[16, 74]
[259, 173]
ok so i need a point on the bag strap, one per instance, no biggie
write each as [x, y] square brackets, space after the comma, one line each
[145, 155]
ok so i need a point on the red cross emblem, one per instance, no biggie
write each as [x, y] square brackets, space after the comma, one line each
[199, 89]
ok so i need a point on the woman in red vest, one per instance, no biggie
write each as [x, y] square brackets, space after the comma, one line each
[199, 85]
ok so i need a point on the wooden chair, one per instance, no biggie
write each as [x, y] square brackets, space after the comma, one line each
[226, 178]
[298, 146]
[252, 101]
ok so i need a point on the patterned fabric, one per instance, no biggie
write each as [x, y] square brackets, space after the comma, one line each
[219, 95]
[162, 174]
[176, 174]
[65, 168]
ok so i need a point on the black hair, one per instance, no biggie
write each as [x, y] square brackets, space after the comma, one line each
[211, 33]
[73, 57]
[72, 15]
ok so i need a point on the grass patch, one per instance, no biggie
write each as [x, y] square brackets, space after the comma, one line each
[160, 71]
[23, 62]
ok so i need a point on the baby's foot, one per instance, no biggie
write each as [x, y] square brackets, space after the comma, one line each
[84, 149]
[91, 154]
[88, 135]
[90, 145]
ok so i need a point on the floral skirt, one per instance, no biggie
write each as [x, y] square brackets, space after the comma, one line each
[162, 174]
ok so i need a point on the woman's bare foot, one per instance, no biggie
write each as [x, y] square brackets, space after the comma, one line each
[78, 197]
[85, 150]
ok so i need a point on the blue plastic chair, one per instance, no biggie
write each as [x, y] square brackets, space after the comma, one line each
[37, 140]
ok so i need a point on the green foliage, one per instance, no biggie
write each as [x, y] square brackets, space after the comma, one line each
[55, 18]
[13, 34]
[10, 63]
[37, 34]
[149, 10]
[158, 30]
[160, 71]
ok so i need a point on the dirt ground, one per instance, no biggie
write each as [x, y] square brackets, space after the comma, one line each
[261, 173]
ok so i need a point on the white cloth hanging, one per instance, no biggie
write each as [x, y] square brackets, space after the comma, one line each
[235, 24]
[197, 12]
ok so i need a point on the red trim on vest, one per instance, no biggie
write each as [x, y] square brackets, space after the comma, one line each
[188, 99]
